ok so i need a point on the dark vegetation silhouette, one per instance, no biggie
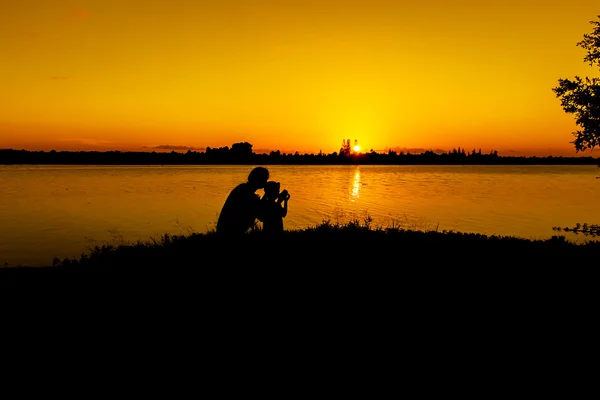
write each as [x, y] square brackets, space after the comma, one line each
[325, 245]
[591, 230]
[581, 96]
[242, 154]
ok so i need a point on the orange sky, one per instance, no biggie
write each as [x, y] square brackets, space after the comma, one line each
[290, 75]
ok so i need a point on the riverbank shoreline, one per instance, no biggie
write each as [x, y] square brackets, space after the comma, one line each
[325, 243]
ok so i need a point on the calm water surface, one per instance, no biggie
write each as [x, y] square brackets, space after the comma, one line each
[60, 211]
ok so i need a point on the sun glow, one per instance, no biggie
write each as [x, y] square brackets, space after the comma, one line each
[215, 73]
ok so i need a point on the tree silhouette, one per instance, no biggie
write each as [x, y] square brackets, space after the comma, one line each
[345, 149]
[581, 96]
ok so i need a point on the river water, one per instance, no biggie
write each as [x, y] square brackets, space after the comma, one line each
[61, 211]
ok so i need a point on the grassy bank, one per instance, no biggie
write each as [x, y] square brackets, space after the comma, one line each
[325, 267]
[352, 244]
[315, 277]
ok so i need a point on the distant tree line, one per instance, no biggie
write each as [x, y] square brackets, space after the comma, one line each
[242, 154]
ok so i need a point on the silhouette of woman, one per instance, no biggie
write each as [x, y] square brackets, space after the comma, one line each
[243, 205]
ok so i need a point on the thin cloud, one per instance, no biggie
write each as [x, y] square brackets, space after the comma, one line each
[173, 147]
[87, 141]
[81, 14]
[263, 151]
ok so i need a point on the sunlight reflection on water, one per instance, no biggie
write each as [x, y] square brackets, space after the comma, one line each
[356, 185]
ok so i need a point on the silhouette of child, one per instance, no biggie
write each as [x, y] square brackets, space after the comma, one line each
[274, 208]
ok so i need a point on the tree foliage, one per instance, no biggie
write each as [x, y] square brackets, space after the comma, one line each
[581, 96]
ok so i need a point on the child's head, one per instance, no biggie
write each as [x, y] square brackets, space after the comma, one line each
[272, 188]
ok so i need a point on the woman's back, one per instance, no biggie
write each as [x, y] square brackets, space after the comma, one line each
[239, 211]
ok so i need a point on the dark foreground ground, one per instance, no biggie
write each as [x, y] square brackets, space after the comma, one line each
[320, 286]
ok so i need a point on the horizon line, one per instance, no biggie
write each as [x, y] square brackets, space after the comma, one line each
[403, 150]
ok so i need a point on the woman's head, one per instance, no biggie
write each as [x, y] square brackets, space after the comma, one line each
[258, 177]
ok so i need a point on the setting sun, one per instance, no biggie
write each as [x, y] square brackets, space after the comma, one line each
[356, 148]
